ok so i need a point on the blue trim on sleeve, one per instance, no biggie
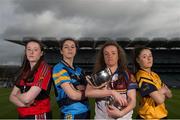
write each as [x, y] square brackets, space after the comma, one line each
[146, 89]
[132, 86]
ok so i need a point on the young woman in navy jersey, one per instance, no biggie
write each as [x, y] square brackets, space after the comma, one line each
[70, 84]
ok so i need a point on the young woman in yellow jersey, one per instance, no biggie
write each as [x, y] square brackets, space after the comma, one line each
[152, 90]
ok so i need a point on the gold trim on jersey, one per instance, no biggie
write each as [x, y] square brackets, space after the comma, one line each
[68, 117]
[143, 79]
[62, 78]
[59, 73]
[121, 91]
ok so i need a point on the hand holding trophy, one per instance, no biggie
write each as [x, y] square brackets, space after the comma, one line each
[102, 79]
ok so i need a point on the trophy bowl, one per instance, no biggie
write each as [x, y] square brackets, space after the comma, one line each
[100, 79]
[110, 101]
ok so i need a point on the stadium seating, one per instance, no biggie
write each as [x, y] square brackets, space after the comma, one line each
[166, 53]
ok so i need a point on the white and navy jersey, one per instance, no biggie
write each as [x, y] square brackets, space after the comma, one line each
[61, 74]
[121, 86]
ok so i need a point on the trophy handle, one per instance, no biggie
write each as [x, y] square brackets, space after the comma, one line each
[109, 71]
[88, 79]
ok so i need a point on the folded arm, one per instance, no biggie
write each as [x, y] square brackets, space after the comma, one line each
[104, 92]
[29, 96]
[72, 92]
[14, 99]
[116, 113]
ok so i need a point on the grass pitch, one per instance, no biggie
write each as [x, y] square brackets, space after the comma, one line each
[8, 110]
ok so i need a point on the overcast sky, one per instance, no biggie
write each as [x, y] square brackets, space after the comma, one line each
[84, 18]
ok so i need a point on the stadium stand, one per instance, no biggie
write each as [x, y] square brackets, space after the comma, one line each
[173, 43]
[123, 41]
[100, 41]
[158, 43]
[7, 75]
[139, 41]
[166, 53]
[86, 43]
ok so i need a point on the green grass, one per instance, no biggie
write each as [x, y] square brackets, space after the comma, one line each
[8, 110]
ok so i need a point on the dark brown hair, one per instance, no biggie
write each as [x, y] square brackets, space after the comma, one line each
[61, 42]
[136, 52]
[25, 71]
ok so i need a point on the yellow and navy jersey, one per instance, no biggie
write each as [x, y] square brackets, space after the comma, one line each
[61, 74]
[148, 83]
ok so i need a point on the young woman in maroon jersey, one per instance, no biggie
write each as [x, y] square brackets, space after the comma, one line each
[122, 85]
[31, 90]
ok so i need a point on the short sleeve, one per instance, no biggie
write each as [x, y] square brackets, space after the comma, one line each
[132, 84]
[43, 76]
[60, 76]
[146, 89]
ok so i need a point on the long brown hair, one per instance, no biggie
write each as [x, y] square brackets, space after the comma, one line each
[25, 71]
[122, 60]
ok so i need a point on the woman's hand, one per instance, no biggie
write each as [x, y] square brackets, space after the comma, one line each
[165, 91]
[114, 112]
[81, 87]
[168, 93]
[30, 104]
[119, 98]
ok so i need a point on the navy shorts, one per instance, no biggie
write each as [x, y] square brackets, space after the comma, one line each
[85, 115]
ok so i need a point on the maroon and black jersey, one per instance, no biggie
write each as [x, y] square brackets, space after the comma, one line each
[42, 79]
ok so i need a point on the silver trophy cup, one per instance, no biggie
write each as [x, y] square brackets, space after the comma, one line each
[100, 79]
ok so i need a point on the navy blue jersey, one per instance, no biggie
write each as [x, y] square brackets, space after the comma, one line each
[61, 74]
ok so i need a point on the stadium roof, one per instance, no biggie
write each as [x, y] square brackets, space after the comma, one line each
[8, 70]
[125, 42]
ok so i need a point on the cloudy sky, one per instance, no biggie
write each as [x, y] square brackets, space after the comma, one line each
[84, 18]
